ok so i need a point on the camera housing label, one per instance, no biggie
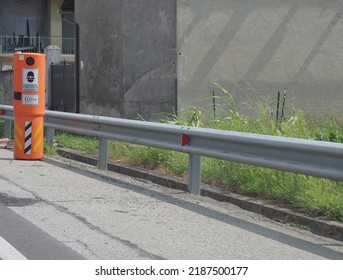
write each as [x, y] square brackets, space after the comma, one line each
[30, 80]
[30, 99]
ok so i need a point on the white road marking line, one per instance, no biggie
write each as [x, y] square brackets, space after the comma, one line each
[8, 252]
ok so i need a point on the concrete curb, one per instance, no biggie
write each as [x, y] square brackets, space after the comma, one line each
[330, 229]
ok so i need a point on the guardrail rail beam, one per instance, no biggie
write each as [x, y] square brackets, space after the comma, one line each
[308, 157]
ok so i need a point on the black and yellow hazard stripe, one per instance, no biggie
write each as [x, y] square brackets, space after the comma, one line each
[28, 138]
[38, 137]
[18, 136]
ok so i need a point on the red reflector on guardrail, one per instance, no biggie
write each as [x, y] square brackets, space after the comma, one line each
[2, 112]
[185, 140]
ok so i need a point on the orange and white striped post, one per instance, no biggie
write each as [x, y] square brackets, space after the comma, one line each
[29, 105]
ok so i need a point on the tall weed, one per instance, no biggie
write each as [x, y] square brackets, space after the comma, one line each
[318, 196]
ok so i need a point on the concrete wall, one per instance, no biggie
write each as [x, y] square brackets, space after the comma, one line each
[6, 87]
[149, 57]
[55, 23]
[255, 48]
[258, 47]
[101, 52]
[127, 53]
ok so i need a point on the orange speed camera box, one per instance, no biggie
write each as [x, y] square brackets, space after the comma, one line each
[29, 105]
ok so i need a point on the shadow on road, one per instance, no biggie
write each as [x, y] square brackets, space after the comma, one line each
[317, 249]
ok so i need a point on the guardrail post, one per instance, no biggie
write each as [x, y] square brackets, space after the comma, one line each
[49, 135]
[103, 154]
[8, 129]
[194, 174]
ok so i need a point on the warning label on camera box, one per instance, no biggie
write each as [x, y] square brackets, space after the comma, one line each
[30, 80]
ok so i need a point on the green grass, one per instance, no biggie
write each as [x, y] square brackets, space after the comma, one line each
[316, 196]
[2, 128]
[78, 142]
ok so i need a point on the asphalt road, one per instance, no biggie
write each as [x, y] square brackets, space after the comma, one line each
[60, 209]
[21, 240]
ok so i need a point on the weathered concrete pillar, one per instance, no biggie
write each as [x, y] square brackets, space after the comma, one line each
[53, 56]
[127, 57]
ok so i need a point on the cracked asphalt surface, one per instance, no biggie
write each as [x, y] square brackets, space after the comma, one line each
[105, 215]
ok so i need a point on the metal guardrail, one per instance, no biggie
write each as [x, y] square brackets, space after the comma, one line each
[315, 158]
